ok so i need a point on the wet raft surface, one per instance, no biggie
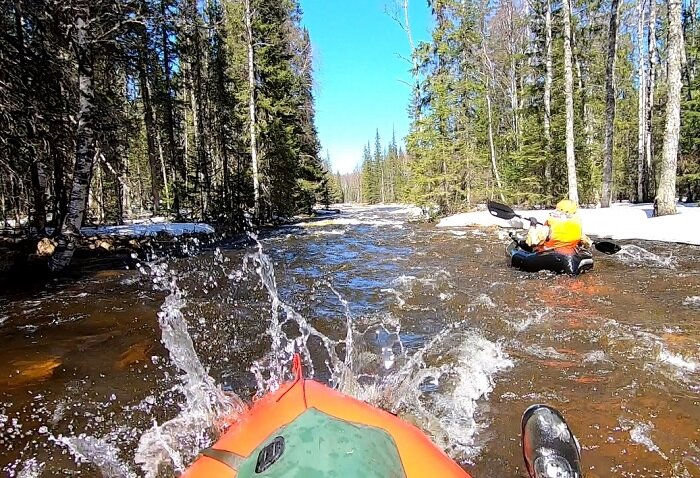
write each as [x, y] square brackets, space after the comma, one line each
[444, 333]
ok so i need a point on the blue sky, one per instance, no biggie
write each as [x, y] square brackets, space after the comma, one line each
[359, 72]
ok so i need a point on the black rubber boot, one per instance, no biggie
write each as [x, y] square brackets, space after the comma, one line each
[550, 449]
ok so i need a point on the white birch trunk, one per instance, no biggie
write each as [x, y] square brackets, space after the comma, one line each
[569, 87]
[642, 102]
[548, 93]
[251, 109]
[407, 29]
[651, 85]
[666, 193]
[85, 151]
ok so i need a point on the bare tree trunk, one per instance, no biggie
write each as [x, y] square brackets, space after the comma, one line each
[642, 102]
[59, 186]
[251, 109]
[586, 111]
[149, 121]
[548, 95]
[488, 74]
[197, 100]
[406, 27]
[172, 153]
[512, 76]
[163, 167]
[85, 150]
[492, 148]
[651, 85]
[666, 193]
[606, 192]
[569, 87]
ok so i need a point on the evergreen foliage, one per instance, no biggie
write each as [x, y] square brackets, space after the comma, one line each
[168, 110]
[495, 53]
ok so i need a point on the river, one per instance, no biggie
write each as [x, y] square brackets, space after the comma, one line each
[122, 372]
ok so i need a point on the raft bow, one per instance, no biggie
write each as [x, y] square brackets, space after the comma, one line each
[308, 429]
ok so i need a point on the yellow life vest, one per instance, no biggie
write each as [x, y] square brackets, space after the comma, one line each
[564, 232]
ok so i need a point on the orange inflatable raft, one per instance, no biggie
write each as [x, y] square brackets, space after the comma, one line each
[308, 430]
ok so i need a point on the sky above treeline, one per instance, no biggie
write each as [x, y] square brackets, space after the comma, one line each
[361, 58]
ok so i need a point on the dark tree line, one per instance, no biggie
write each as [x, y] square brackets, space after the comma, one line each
[115, 109]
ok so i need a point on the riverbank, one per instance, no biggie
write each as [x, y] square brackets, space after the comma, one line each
[620, 221]
[122, 246]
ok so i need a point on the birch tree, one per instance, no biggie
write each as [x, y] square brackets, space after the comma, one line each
[547, 97]
[85, 148]
[641, 176]
[651, 85]
[569, 92]
[666, 192]
[251, 108]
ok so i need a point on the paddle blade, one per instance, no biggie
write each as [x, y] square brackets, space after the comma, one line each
[501, 210]
[606, 247]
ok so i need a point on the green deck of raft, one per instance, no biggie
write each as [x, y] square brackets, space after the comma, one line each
[318, 445]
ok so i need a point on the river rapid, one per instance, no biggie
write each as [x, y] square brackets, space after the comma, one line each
[130, 372]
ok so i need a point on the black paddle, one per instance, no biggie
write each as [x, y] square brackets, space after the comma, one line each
[505, 212]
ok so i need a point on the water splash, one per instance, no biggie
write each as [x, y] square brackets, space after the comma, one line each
[99, 452]
[636, 256]
[175, 442]
[678, 361]
[371, 361]
[273, 369]
[442, 400]
[691, 301]
[483, 300]
[32, 468]
[532, 318]
[640, 433]
[480, 360]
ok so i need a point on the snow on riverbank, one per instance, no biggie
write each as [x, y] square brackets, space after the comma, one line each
[140, 230]
[621, 221]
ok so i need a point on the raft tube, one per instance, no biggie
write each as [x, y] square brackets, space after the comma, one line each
[307, 429]
[574, 263]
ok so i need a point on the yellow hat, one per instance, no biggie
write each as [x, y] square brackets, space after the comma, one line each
[567, 206]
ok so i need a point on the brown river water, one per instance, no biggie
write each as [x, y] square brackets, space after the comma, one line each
[99, 377]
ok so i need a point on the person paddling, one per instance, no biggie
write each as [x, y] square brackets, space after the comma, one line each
[562, 232]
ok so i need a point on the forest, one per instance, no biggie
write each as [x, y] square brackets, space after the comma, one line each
[532, 101]
[204, 110]
[119, 109]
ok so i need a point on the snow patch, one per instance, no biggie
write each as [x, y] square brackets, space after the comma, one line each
[139, 230]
